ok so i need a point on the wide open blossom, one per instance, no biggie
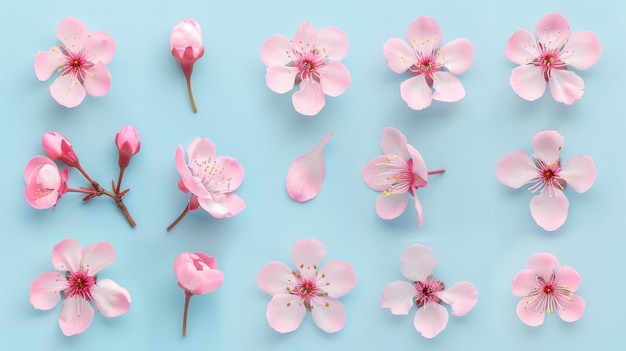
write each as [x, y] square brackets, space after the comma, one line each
[44, 183]
[79, 284]
[310, 60]
[306, 174]
[417, 264]
[546, 287]
[546, 60]
[307, 288]
[81, 58]
[397, 174]
[434, 67]
[546, 177]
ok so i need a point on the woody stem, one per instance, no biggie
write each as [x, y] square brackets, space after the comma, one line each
[187, 298]
[182, 215]
[439, 171]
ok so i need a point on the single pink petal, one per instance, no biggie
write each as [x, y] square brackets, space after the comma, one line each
[579, 172]
[309, 100]
[393, 142]
[334, 78]
[566, 86]
[420, 211]
[200, 150]
[232, 172]
[73, 33]
[553, 31]
[417, 262]
[305, 37]
[285, 312]
[398, 297]
[111, 299]
[275, 278]
[45, 290]
[305, 176]
[280, 79]
[328, 314]
[76, 315]
[515, 169]
[416, 92]
[206, 259]
[524, 282]
[100, 47]
[522, 47]
[549, 210]
[336, 278]
[528, 82]
[307, 254]
[457, 56]
[582, 50]
[333, 43]
[547, 145]
[461, 297]
[572, 310]
[276, 51]
[447, 86]
[372, 176]
[97, 256]
[529, 314]
[229, 206]
[399, 55]
[67, 256]
[568, 277]
[67, 91]
[543, 264]
[391, 205]
[431, 319]
[47, 62]
[424, 35]
[190, 182]
[97, 80]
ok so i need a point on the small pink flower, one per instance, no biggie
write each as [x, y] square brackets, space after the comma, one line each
[81, 57]
[79, 284]
[59, 148]
[44, 183]
[546, 60]
[127, 142]
[309, 287]
[310, 60]
[434, 67]
[306, 174]
[399, 172]
[186, 46]
[544, 174]
[427, 293]
[547, 287]
[197, 274]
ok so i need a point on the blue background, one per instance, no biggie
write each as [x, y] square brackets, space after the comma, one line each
[480, 230]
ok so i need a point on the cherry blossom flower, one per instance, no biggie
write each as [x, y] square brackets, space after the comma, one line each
[397, 174]
[310, 60]
[197, 274]
[186, 46]
[128, 144]
[309, 287]
[546, 177]
[81, 57]
[547, 59]
[79, 284]
[211, 180]
[546, 287]
[306, 174]
[44, 183]
[59, 148]
[434, 68]
[427, 293]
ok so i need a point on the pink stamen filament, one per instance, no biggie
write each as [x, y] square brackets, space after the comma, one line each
[548, 296]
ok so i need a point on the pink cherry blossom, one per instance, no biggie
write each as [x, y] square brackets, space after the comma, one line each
[128, 144]
[306, 174]
[81, 57]
[397, 174]
[186, 46]
[546, 177]
[59, 148]
[44, 183]
[79, 284]
[417, 264]
[547, 59]
[547, 287]
[310, 60]
[307, 288]
[434, 68]
[211, 180]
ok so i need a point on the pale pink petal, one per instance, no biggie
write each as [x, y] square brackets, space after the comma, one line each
[420, 211]
[275, 278]
[73, 33]
[553, 31]
[391, 205]
[448, 87]
[398, 297]
[190, 182]
[229, 206]
[285, 312]
[187, 33]
[309, 100]
[416, 92]
[333, 43]
[67, 91]
[431, 319]
[208, 260]
[305, 38]
[97, 80]
[529, 314]
[199, 150]
[307, 254]
[306, 175]
[579, 172]
[528, 82]
[572, 310]
[424, 35]
[100, 47]
[457, 56]
[549, 210]
[582, 50]
[45, 290]
[334, 78]
[524, 282]
[276, 51]
[461, 297]
[328, 314]
[47, 62]
[336, 278]
[543, 264]
[67, 256]
[547, 145]
[515, 169]
[522, 47]
[232, 172]
[399, 55]
[111, 299]
[417, 262]
[566, 86]
[393, 142]
[36, 163]
[568, 277]
[97, 256]
[76, 315]
[280, 79]
[372, 176]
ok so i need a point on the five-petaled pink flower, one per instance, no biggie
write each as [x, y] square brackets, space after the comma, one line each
[79, 284]
[547, 287]
[81, 57]
[186, 46]
[397, 174]
[311, 60]
[544, 174]
[546, 60]
[417, 264]
[44, 183]
[309, 287]
[434, 67]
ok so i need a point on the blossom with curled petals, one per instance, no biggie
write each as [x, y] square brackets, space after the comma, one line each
[45, 184]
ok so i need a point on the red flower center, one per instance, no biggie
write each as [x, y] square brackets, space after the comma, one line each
[79, 283]
[548, 60]
[427, 290]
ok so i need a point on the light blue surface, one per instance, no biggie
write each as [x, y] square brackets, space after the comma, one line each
[480, 230]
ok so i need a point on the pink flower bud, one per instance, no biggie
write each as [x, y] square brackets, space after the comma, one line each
[127, 142]
[59, 148]
[197, 273]
[186, 44]
[44, 183]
